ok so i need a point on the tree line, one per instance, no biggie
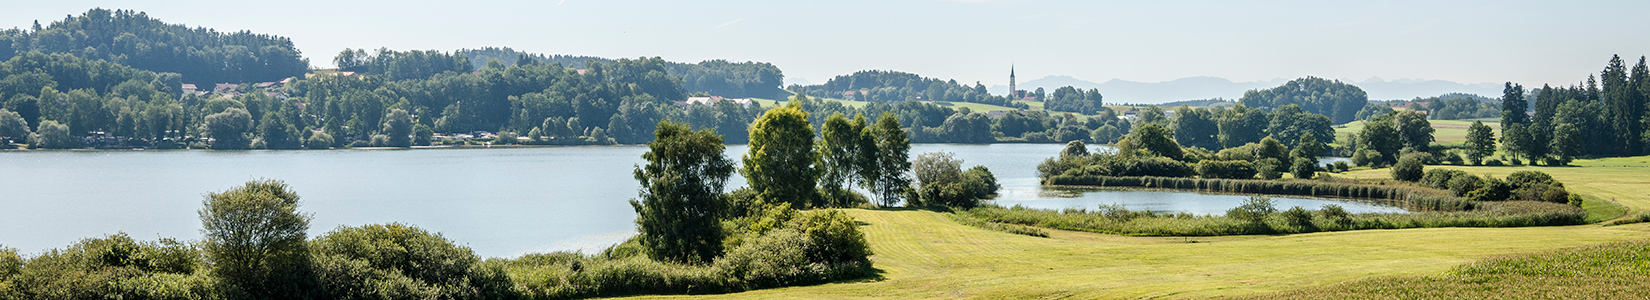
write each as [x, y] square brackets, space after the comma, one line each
[894, 86]
[1606, 116]
[711, 77]
[203, 56]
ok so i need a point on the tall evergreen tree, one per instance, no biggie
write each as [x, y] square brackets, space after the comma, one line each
[1639, 102]
[1623, 113]
[1513, 105]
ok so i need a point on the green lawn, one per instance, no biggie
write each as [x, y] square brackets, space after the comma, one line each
[1445, 131]
[925, 255]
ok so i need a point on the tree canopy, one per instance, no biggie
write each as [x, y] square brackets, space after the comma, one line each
[132, 38]
[1338, 101]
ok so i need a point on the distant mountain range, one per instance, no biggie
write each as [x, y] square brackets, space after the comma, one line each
[1193, 88]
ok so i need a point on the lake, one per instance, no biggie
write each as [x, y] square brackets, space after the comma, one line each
[500, 202]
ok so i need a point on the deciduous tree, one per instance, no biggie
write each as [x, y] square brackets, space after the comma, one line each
[678, 209]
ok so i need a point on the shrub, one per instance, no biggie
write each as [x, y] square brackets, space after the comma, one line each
[1408, 168]
[1253, 211]
[1491, 189]
[379, 140]
[505, 138]
[1494, 163]
[1341, 166]
[1529, 178]
[396, 261]
[1304, 168]
[980, 178]
[1461, 184]
[809, 247]
[1453, 159]
[319, 140]
[111, 267]
[1440, 178]
[1299, 219]
[1361, 157]
[1336, 215]
[1075, 148]
[1268, 168]
[1229, 169]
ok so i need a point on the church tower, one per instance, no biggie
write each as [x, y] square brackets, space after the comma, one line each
[1013, 94]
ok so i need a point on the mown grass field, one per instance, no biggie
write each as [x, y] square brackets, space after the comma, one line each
[1446, 131]
[925, 255]
[976, 107]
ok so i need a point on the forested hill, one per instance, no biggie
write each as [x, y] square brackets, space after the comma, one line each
[1339, 101]
[202, 55]
[889, 86]
[712, 77]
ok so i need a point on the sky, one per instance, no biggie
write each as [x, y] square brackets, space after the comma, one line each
[1527, 42]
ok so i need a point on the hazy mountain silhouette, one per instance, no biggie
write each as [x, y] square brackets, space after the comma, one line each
[1203, 87]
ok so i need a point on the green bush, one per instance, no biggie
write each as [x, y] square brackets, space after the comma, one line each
[809, 247]
[1527, 178]
[395, 261]
[1361, 157]
[1335, 214]
[1229, 169]
[1461, 184]
[1440, 178]
[1341, 166]
[1491, 189]
[1299, 219]
[1304, 168]
[111, 267]
[984, 183]
[1253, 211]
[1408, 168]
[1114, 165]
[1268, 168]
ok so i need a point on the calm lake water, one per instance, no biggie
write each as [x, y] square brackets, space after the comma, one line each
[500, 202]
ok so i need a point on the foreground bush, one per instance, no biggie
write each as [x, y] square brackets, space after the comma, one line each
[111, 267]
[397, 261]
[806, 248]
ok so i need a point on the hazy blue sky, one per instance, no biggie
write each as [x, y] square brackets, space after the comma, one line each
[1529, 42]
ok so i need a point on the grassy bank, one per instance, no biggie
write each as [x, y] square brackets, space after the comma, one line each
[1609, 271]
[925, 255]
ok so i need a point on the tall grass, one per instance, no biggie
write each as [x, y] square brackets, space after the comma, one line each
[1409, 197]
[1116, 220]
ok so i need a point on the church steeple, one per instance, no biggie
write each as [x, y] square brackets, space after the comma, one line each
[1013, 94]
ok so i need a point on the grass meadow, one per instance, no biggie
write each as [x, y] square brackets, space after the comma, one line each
[1450, 132]
[926, 255]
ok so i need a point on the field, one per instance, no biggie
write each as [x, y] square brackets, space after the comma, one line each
[925, 255]
[976, 107]
[1447, 131]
